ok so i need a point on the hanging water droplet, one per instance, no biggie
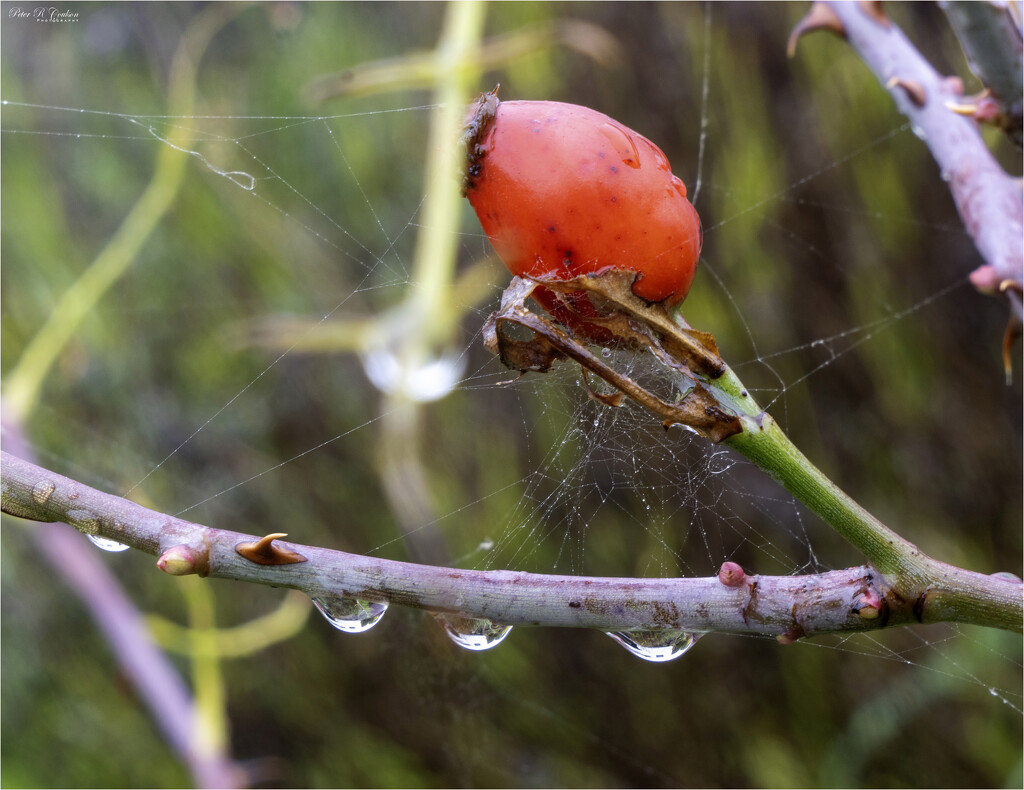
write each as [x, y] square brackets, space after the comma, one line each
[606, 352]
[420, 380]
[106, 543]
[351, 615]
[656, 645]
[473, 633]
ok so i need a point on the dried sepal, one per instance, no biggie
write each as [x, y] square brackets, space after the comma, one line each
[264, 552]
[638, 325]
[478, 120]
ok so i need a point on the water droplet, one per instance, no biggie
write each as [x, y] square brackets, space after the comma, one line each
[680, 187]
[473, 633]
[41, 491]
[420, 380]
[1007, 576]
[351, 615]
[106, 543]
[918, 131]
[622, 143]
[656, 645]
[606, 352]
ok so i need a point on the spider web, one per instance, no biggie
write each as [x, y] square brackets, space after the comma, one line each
[566, 484]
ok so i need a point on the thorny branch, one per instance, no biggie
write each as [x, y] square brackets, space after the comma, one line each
[989, 201]
[789, 607]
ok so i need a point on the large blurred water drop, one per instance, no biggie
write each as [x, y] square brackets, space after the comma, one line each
[422, 381]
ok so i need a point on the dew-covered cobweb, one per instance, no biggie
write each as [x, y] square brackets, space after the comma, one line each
[304, 371]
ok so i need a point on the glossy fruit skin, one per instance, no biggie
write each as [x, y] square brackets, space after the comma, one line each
[563, 190]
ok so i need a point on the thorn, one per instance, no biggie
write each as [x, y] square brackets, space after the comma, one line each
[820, 17]
[873, 9]
[1013, 331]
[731, 574]
[961, 109]
[178, 561]
[264, 552]
[790, 636]
[915, 90]
[982, 107]
[613, 399]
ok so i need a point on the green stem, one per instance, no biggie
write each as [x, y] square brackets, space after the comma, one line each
[22, 387]
[919, 586]
[211, 733]
[434, 261]
[766, 444]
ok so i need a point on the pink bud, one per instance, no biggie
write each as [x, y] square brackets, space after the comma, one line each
[731, 574]
[177, 561]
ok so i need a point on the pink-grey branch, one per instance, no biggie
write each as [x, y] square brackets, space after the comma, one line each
[788, 607]
[989, 201]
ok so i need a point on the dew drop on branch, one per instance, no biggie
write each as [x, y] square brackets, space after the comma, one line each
[351, 615]
[656, 645]
[106, 543]
[473, 633]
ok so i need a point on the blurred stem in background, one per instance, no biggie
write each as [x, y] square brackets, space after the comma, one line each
[425, 325]
[205, 750]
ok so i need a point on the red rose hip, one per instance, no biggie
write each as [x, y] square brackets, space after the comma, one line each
[563, 190]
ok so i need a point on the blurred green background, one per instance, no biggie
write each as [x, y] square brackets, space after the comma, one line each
[825, 219]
